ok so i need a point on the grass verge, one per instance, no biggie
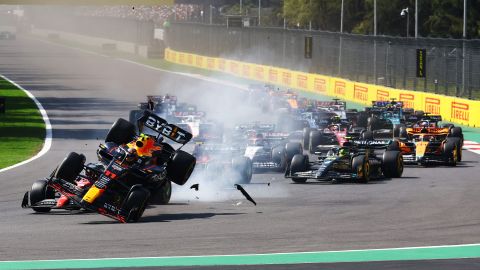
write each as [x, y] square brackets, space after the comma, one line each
[22, 129]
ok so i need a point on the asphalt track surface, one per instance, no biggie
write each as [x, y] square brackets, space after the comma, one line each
[83, 94]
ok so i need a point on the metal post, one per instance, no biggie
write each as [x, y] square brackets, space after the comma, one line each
[211, 14]
[416, 18]
[375, 17]
[241, 5]
[259, 12]
[341, 18]
[340, 45]
[375, 42]
[408, 23]
[463, 45]
[310, 23]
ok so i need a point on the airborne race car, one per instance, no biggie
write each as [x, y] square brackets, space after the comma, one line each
[134, 171]
[356, 160]
[427, 143]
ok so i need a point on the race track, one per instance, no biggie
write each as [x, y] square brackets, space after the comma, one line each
[84, 93]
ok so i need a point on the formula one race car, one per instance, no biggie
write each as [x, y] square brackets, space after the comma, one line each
[427, 143]
[272, 151]
[356, 161]
[163, 106]
[219, 160]
[134, 171]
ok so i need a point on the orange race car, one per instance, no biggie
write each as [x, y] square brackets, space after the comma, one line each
[427, 143]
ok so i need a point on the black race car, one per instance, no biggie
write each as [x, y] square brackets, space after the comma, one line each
[356, 160]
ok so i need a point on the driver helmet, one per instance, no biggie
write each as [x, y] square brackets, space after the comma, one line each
[335, 119]
[144, 145]
[343, 152]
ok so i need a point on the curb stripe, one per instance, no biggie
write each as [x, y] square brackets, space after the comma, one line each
[48, 128]
[395, 254]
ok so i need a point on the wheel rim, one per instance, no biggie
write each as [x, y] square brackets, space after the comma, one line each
[400, 165]
[366, 173]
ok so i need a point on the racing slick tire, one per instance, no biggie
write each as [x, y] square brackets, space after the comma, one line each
[367, 135]
[315, 140]
[458, 146]
[456, 132]
[392, 164]
[448, 125]
[361, 166]
[279, 156]
[162, 194]
[181, 167]
[299, 164]
[39, 192]
[403, 134]
[291, 149]
[393, 146]
[373, 124]
[243, 166]
[136, 203]
[121, 132]
[450, 152]
[306, 137]
[70, 167]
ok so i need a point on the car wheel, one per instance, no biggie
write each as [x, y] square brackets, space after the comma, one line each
[299, 164]
[70, 167]
[392, 164]
[121, 132]
[361, 166]
[180, 167]
[39, 192]
[135, 204]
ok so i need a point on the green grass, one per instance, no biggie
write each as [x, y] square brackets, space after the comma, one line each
[22, 129]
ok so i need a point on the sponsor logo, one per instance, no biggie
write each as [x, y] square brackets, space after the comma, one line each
[259, 73]
[302, 81]
[360, 93]
[432, 105]
[287, 78]
[382, 95]
[199, 61]
[339, 88]
[190, 59]
[221, 64]
[210, 63]
[460, 111]
[181, 58]
[408, 100]
[246, 70]
[273, 75]
[234, 68]
[319, 85]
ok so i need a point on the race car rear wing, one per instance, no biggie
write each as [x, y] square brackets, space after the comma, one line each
[370, 144]
[163, 128]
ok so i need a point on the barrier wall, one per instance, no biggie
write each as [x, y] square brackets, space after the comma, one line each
[452, 109]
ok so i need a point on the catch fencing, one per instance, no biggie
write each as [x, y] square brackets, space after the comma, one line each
[452, 66]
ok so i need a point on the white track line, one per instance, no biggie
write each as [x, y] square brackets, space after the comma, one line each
[472, 146]
[48, 128]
